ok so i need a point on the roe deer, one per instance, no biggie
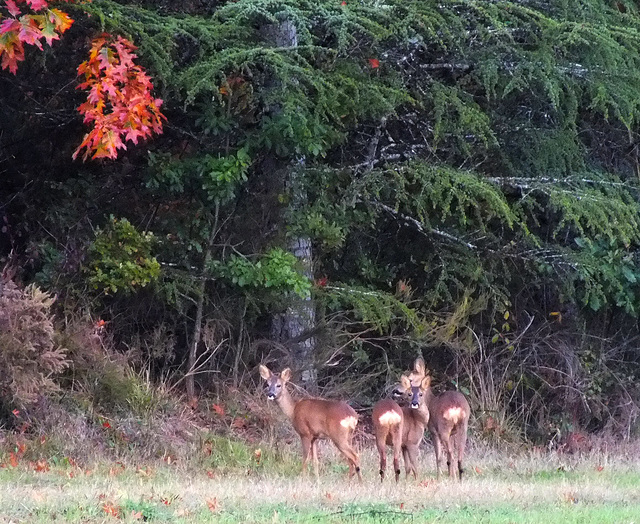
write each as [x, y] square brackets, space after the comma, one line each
[448, 421]
[315, 418]
[401, 428]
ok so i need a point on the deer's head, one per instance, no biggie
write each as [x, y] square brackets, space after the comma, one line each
[417, 393]
[415, 377]
[275, 381]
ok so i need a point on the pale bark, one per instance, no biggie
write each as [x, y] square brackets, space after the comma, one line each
[300, 315]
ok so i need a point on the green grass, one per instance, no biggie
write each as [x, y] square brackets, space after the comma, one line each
[229, 487]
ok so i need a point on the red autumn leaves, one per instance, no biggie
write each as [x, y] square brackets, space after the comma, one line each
[120, 105]
[21, 28]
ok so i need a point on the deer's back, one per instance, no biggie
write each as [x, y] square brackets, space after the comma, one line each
[450, 409]
[386, 412]
[323, 418]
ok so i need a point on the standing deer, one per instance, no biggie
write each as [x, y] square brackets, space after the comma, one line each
[402, 428]
[315, 418]
[448, 420]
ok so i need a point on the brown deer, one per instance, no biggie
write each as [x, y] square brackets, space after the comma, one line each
[401, 428]
[448, 420]
[315, 418]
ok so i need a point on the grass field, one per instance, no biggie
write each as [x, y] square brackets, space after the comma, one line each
[501, 488]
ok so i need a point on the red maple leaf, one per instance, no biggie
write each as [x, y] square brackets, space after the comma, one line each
[38, 5]
[110, 509]
[12, 8]
[22, 28]
[374, 63]
[219, 409]
[322, 282]
[119, 103]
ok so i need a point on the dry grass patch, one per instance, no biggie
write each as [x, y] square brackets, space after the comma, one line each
[517, 487]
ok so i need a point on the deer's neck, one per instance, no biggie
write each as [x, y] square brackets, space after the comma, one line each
[286, 403]
[430, 400]
[421, 415]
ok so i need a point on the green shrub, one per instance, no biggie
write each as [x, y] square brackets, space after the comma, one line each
[120, 258]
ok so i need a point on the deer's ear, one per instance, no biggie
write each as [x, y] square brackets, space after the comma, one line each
[426, 382]
[265, 373]
[419, 366]
[285, 375]
[405, 382]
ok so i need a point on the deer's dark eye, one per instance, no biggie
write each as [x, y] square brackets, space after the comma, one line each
[278, 385]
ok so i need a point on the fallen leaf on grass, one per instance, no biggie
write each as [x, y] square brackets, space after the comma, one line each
[219, 409]
[328, 495]
[239, 423]
[111, 510]
[213, 504]
[599, 467]
[478, 470]
[41, 466]
[136, 515]
[210, 474]
[116, 469]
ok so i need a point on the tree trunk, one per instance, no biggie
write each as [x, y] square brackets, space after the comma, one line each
[300, 315]
[197, 327]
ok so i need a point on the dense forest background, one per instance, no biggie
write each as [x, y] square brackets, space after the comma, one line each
[339, 187]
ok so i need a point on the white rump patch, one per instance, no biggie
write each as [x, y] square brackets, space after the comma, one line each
[389, 418]
[349, 422]
[453, 414]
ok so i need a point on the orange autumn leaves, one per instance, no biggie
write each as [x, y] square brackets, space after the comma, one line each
[120, 106]
[18, 28]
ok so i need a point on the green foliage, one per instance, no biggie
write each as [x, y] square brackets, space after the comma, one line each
[379, 309]
[274, 271]
[608, 276]
[471, 152]
[217, 177]
[308, 95]
[120, 258]
[456, 114]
